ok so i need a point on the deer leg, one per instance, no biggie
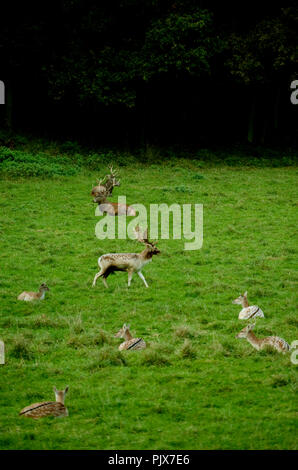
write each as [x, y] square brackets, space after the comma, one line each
[105, 282]
[143, 279]
[130, 273]
[95, 278]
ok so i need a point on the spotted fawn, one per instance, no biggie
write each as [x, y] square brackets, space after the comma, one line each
[270, 341]
[248, 311]
[29, 296]
[130, 343]
[47, 408]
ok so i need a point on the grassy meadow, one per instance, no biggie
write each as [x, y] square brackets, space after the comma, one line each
[195, 386]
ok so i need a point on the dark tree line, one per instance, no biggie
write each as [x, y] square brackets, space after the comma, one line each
[150, 71]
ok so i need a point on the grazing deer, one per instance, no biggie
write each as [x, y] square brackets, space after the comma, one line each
[103, 190]
[248, 311]
[130, 343]
[47, 408]
[28, 296]
[129, 262]
[270, 341]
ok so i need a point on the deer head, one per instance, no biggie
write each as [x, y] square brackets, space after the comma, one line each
[240, 299]
[43, 288]
[60, 394]
[142, 237]
[121, 333]
[243, 333]
[105, 186]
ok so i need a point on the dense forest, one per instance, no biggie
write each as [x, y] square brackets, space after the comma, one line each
[158, 72]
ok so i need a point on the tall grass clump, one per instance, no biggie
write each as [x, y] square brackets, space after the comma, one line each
[21, 348]
[107, 356]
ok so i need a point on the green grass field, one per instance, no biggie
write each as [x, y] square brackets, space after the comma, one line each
[195, 386]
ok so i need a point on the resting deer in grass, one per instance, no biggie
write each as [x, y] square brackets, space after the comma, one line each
[273, 342]
[129, 262]
[130, 343]
[103, 190]
[29, 296]
[47, 408]
[248, 311]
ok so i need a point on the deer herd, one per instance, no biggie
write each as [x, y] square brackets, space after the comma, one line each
[134, 263]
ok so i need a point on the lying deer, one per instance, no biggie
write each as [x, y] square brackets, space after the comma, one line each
[129, 262]
[104, 190]
[29, 296]
[47, 408]
[270, 341]
[248, 311]
[130, 342]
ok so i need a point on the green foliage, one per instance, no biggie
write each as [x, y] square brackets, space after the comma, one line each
[53, 159]
[123, 67]
[178, 41]
[94, 161]
[181, 42]
[23, 164]
[266, 51]
[70, 146]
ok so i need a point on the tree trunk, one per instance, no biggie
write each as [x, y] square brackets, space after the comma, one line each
[265, 129]
[141, 114]
[8, 104]
[251, 121]
[276, 108]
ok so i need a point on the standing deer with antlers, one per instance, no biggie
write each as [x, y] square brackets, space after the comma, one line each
[129, 262]
[103, 190]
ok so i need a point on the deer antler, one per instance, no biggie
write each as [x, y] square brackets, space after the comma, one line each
[100, 181]
[111, 177]
[113, 172]
[106, 185]
[111, 180]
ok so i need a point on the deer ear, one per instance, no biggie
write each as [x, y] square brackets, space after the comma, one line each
[55, 389]
[124, 325]
[66, 389]
[245, 294]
